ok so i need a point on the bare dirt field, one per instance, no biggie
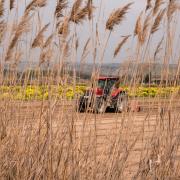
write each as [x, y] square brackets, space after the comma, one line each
[137, 139]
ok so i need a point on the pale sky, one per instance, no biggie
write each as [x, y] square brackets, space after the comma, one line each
[125, 28]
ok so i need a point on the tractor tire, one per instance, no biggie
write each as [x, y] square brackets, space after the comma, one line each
[100, 106]
[122, 103]
[81, 105]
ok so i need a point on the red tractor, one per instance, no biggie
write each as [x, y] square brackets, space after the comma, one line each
[106, 94]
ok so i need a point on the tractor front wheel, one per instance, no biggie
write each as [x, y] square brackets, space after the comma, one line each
[100, 106]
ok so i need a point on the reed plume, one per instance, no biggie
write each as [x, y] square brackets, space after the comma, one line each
[117, 17]
[61, 5]
[138, 28]
[80, 15]
[149, 4]
[90, 9]
[48, 41]
[158, 48]
[85, 50]
[22, 27]
[39, 39]
[172, 7]
[75, 9]
[145, 28]
[45, 56]
[66, 49]
[17, 57]
[34, 4]
[118, 48]
[63, 28]
[2, 30]
[1, 8]
[157, 6]
[158, 21]
[11, 4]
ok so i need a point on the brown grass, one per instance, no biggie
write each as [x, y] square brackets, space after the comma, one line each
[48, 138]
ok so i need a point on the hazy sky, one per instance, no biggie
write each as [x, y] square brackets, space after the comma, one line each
[125, 28]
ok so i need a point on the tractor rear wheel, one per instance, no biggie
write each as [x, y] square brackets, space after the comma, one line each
[122, 103]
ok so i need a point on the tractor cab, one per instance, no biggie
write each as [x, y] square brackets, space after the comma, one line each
[105, 85]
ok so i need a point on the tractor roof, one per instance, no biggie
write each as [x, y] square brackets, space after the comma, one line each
[108, 78]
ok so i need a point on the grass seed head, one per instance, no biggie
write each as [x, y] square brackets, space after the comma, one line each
[118, 48]
[48, 41]
[158, 4]
[75, 9]
[90, 9]
[172, 8]
[34, 4]
[158, 48]
[39, 39]
[158, 21]
[149, 4]
[117, 17]
[2, 30]
[1, 8]
[138, 27]
[63, 28]
[21, 28]
[61, 5]
[80, 15]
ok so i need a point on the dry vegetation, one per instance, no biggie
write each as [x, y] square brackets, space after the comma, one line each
[49, 139]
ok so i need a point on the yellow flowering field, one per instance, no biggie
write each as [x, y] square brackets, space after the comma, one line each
[43, 92]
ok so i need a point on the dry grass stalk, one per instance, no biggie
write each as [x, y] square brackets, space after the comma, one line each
[118, 48]
[61, 5]
[39, 39]
[11, 4]
[158, 49]
[54, 149]
[76, 44]
[157, 6]
[158, 21]
[1, 8]
[117, 17]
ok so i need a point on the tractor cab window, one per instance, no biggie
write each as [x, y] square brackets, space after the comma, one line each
[101, 84]
[110, 83]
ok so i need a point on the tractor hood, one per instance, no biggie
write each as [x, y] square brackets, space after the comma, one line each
[97, 91]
